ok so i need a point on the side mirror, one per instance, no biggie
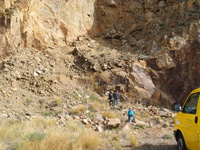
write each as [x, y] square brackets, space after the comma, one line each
[178, 107]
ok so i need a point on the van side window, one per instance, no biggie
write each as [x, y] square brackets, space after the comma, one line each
[191, 104]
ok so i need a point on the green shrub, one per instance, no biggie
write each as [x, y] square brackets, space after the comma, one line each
[36, 136]
[15, 146]
[93, 97]
[167, 136]
[46, 113]
[91, 115]
[139, 126]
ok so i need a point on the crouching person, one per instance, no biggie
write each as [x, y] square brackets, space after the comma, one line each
[131, 114]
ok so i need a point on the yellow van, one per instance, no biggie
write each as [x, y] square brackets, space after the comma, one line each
[187, 123]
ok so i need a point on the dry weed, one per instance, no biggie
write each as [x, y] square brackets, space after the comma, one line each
[78, 110]
[110, 115]
[43, 134]
[58, 100]
[133, 138]
[98, 106]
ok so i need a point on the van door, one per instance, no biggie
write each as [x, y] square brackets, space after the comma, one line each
[198, 128]
[189, 120]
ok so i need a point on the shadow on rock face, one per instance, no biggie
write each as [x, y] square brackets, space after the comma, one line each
[176, 72]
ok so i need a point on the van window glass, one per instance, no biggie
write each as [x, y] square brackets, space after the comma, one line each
[191, 104]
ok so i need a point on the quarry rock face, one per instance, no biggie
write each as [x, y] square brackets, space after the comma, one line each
[160, 24]
[42, 24]
[163, 36]
[166, 33]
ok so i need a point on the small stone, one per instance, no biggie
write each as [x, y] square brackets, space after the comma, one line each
[87, 112]
[99, 129]
[39, 72]
[165, 125]
[89, 45]
[76, 117]
[35, 74]
[84, 121]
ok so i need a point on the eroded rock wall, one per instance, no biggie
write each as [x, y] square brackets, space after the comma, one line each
[164, 33]
[148, 25]
[43, 23]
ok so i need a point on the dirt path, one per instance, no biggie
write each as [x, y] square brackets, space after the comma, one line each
[156, 147]
[156, 139]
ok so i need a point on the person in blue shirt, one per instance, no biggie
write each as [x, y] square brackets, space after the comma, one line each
[116, 97]
[131, 114]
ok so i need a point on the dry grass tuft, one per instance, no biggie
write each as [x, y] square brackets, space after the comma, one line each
[78, 110]
[167, 136]
[112, 140]
[110, 115]
[10, 130]
[43, 134]
[98, 106]
[133, 138]
[90, 140]
[145, 115]
[58, 100]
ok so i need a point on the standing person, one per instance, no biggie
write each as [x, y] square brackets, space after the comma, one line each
[110, 98]
[116, 97]
[131, 114]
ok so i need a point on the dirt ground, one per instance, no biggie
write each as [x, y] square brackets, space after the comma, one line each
[156, 139]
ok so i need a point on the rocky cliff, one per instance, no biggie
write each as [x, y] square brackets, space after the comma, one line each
[163, 33]
[147, 49]
[43, 24]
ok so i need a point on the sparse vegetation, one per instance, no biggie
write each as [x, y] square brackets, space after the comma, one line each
[91, 115]
[94, 97]
[78, 110]
[167, 136]
[29, 100]
[51, 68]
[58, 100]
[139, 126]
[110, 115]
[154, 71]
[35, 136]
[143, 115]
[47, 113]
[84, 101]
[96, 85]
[44, 135]
[133, 139]
[113, 140]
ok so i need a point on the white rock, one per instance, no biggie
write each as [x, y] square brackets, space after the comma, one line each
[35, 74]
[39, 72]
[89, 45]
[99, 129]
[84, 121]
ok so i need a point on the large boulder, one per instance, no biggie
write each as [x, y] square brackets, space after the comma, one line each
[113, 123]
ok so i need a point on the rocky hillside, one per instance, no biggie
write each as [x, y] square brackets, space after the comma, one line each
[58, 59]
[147, 49]
[163, 33]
